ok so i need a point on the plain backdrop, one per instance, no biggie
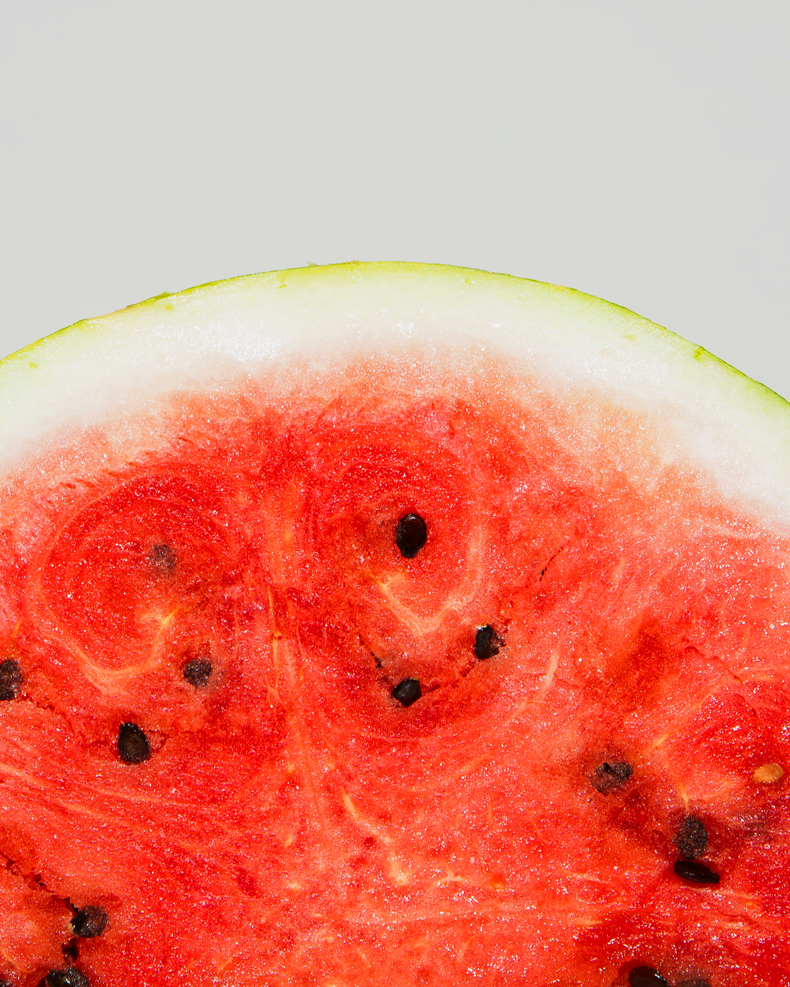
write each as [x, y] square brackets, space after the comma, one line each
[635, 150]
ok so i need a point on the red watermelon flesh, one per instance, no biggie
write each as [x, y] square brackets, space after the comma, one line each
[245, 740]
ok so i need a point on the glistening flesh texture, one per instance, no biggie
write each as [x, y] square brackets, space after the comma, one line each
[265, 746]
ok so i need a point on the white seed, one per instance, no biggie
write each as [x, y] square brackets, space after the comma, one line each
[767, 774]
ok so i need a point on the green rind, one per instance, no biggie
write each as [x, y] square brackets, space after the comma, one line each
[736, 428]
[316, 272]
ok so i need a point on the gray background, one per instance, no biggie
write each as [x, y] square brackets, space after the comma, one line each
[638, 151]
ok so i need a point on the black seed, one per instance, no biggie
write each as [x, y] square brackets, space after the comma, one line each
[197, 672]
[89, 922]
[407, 692]
[163, 559]
[646, 976]
[70, 977]
[690, 870]
[133, 746]
[611, 776]
[692, 837]
[10, 679]
[487, 642]
[411, 533]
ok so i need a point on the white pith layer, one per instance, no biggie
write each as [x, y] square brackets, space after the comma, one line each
[731, 428]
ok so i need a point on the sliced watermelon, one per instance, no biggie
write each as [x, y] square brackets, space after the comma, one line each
[392, 625]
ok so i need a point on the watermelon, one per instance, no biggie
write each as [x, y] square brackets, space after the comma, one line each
[391, 625]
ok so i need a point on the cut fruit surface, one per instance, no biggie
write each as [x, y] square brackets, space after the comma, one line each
[392, 625]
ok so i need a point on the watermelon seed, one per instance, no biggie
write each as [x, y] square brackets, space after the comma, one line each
[487, 642]
[411, 533]
[10, 679]
[133, 746]
[89, 922]
[70, 977]
[646, 976]
[163, 559]
[768, 774]
[692, 837]
[611, 776]
[197, 672]
[696, 873]
[407, 692]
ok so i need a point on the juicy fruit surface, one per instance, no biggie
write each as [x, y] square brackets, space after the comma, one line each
[601, 648]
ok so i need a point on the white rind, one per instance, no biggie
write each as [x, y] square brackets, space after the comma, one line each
[734, 429]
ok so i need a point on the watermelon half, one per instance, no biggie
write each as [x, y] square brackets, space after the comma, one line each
[391, 625]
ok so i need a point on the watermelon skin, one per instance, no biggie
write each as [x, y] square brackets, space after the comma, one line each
[296, 824]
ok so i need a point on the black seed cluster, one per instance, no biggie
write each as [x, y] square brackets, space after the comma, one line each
[407, 691]
[133, 746]
[89, 922]
[695, 873]
[646, 976]
[70, 977]
[692, 837]
[411, 533]
[610, 776]
[10, 679]
[487, 642]
[198, 671]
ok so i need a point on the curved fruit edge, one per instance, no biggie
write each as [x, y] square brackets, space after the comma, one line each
[738, 428]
